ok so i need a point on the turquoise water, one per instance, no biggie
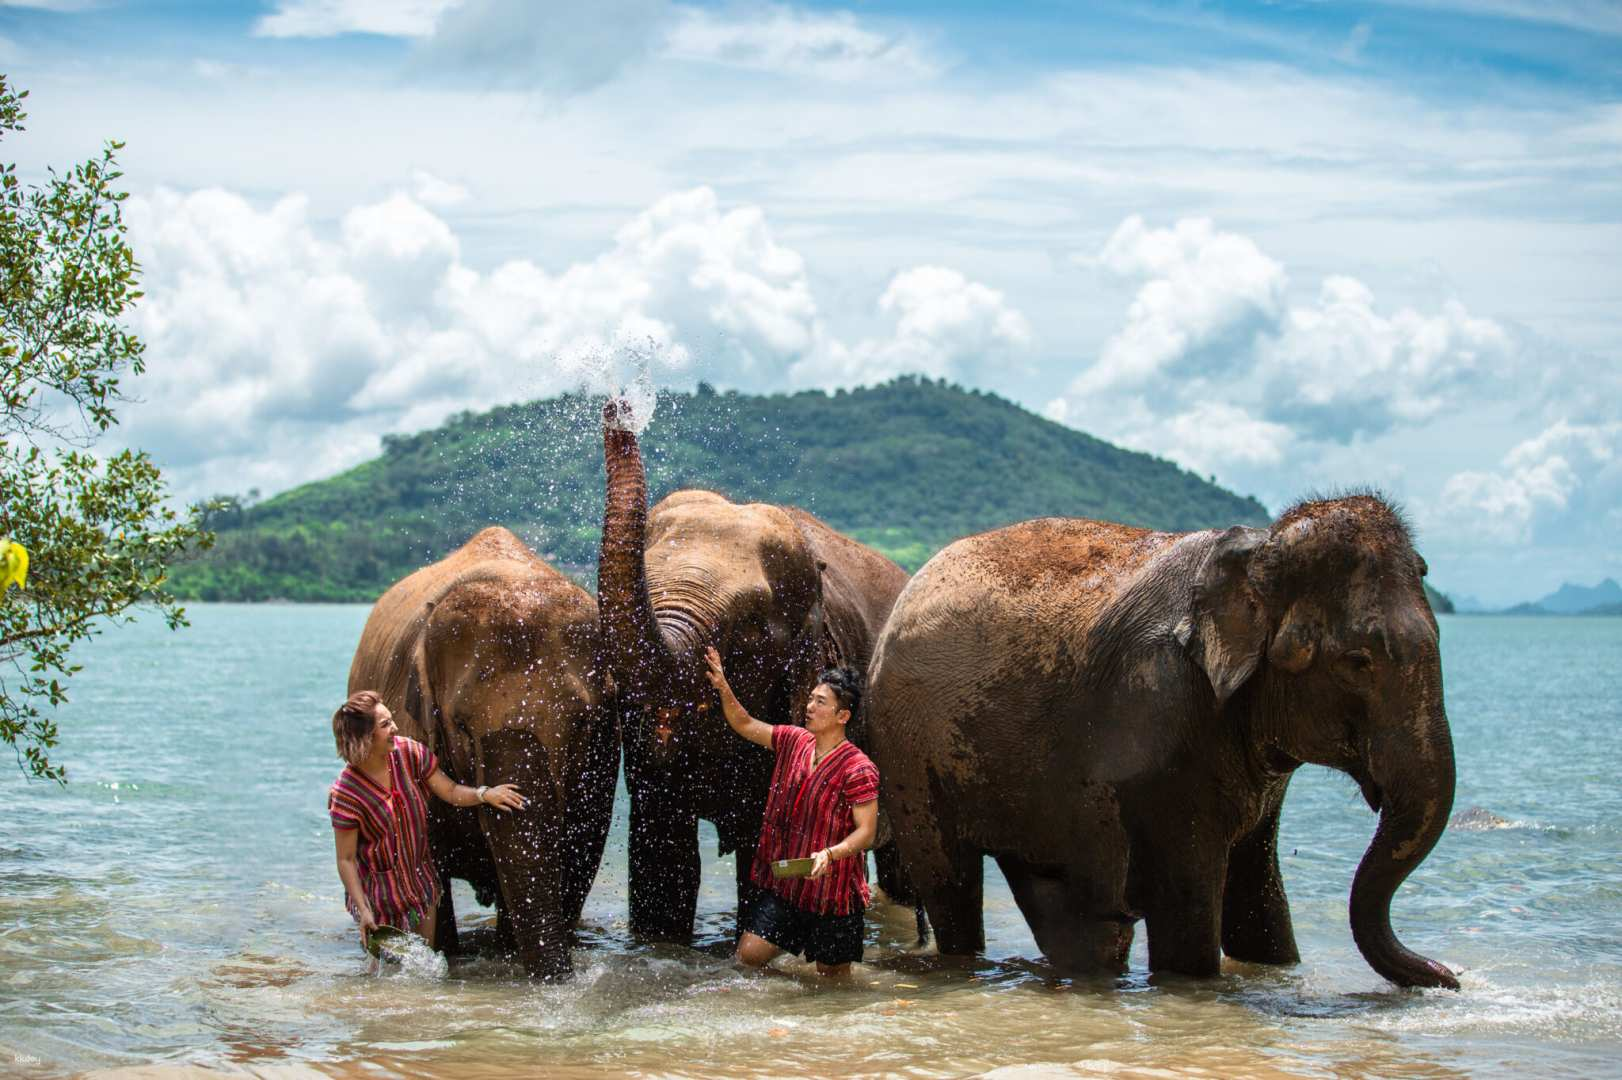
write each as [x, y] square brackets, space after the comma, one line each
[178, 903]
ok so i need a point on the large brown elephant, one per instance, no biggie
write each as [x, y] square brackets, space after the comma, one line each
[1114, 714]
[780, 595]
[491, 657]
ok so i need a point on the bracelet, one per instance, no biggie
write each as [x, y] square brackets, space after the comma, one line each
[479, 794]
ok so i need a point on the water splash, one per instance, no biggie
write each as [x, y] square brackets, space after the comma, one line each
[626, 371]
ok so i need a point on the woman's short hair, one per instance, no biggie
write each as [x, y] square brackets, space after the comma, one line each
[352, 724]
[846, 686]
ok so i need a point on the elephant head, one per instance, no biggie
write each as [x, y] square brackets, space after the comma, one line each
[703, 571]
[1317, 633]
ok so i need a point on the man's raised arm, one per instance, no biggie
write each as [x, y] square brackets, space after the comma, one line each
[737, 718]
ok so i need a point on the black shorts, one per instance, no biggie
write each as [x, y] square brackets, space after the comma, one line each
[822, 939]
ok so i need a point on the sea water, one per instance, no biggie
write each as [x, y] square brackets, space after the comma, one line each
[177, 903]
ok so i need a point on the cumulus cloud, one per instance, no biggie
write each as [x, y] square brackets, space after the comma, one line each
[944, 326]
[280, 351]
[1341, 368]
[1207, 296]
[1214, 366]
[1564, 485]
[783, 39]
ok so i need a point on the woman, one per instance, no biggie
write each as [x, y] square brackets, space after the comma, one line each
[379, 811]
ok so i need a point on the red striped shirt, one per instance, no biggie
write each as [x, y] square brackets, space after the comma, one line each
[396, 870]
[809, 809]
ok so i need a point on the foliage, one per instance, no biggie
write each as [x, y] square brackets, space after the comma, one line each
[97, 530]
[906, 467]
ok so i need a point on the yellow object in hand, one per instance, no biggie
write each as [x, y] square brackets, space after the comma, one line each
[13, 566]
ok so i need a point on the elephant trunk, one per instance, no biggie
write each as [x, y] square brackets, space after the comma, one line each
[635, 646]
[1412, 787]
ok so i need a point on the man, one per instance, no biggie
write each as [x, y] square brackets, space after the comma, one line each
[823, 804]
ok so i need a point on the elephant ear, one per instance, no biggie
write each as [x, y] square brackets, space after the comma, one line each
[1227, 625]
[419, 696]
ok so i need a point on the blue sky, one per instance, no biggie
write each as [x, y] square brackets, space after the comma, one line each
[1288, 245]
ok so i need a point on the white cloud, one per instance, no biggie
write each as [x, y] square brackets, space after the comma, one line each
[329, 18]
[558, 48]
[782, 39]
[1595, 16]
[431, 190]
[279, 352]
[53, 5]
[1341, 368]
[1216, 368]
[1207, 297]
[1566, 481]
[570, 47]
[944, 325]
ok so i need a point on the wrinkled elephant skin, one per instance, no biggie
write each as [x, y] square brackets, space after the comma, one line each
[1114, 715]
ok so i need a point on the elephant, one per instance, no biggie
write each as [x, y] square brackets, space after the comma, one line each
[780, 595]
[492, 658]
[1114, 714]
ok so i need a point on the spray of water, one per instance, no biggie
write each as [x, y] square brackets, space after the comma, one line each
[627, 372]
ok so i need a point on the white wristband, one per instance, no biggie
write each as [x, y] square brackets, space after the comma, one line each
[479, 794]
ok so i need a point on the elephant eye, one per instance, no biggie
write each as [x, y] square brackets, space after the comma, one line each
[1355, 662]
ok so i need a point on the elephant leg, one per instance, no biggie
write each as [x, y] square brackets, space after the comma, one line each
[748, 891]
[948, 878]
[664, 864]
[1256, 924]
[533, 896]
[525, 844]
[446, 940]
[1184, 915]
[1057, 913]
[527, 847]
[588, 812]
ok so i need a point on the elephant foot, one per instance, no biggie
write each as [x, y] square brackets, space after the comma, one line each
[549, 965]
[662, 927]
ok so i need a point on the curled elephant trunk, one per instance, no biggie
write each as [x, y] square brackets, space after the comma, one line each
[634, 643]
[1413, 812]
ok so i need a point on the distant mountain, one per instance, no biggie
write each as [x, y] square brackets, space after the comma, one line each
[1439, 601]
[1466, 605]
[906, 467]
[1572, 599]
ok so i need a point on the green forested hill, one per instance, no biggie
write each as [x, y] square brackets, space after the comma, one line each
[906, 467]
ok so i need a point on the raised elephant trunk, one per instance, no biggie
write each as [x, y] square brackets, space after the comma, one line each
[635, 646]
[1414, 810]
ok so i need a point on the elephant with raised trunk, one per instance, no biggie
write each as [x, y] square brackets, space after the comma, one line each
[491, 658]
[1114, 714]
[780, 595]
